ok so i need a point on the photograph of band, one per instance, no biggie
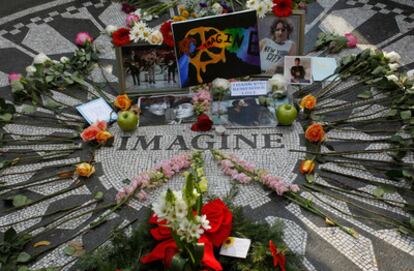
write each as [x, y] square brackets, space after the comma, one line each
[148, 67]
[166, 109]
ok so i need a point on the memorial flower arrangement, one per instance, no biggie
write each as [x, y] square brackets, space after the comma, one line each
[334, 43]
[184, 232]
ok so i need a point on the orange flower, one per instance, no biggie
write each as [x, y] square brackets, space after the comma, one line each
[122, 102]
[90, 133]
[103, 136]
[101, 124]
[307, 166]
[308, 102]
[85, 169]
[315, 133]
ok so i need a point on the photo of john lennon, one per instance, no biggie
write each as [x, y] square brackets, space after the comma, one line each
[225, 46]
[149, 67]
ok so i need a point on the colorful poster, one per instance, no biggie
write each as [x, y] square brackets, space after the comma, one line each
[225, 46]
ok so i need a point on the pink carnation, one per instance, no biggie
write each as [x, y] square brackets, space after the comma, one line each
[131, 19]
[82, 38]
[142, 195]
[120, 196]
[14, 77]
[352, 40]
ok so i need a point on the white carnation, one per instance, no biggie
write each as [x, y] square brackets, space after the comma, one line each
[110, 29]
[40, 58]
[217, 8]
[64, 59]
[392, 56]
[393, 78]
[278, 82]
[30, 69]
[221, 83]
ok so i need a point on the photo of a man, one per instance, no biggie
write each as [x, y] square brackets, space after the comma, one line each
[298, 70]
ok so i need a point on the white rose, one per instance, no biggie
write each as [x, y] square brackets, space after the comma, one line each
[146, 16]
[155, 38]
[64, 59]
[221, 83]
[392, 56]
[217, 8]
[30, 69]
[394, 66]
[110, 29]
[278, 82]
[393, 78]
[40, 58]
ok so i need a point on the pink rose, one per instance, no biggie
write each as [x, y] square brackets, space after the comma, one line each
[90, 133]
[82, 38]
[352, 40]
[101, 124]
[131, 19]
[14, 77]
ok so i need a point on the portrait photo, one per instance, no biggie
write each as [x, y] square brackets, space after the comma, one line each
[212, 47]
[166, 109]
[298, 70]
[280, 37]
[147, 68]
[243, 112]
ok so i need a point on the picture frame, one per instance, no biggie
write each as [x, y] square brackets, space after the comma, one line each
[288, 38]
[145, 69]
[168, 109]
[210, 47]
[298, 70]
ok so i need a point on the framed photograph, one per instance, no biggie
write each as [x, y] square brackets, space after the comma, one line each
[225, 46]
[166, 109]
[298, 70]
[147, 69]
[280, 37]
[245, 112]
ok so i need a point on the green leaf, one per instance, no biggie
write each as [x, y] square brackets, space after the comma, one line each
[69, 251]
[6, 117]
[365, 94]
[99, 195]
[10, 235]
[24, 268]
[49, 78]
[394, 173]
[378, 192]
[28, 109]
[310, 178]
[408, 175]
[17, 86]
[20, 200]
[412, 222]
[23, 257]
[178, 263]
[405, 115]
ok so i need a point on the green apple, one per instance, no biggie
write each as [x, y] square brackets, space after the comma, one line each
[127, 121]
[286, 114]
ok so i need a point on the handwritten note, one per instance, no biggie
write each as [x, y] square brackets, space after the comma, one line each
[96, 110]
[246, 88]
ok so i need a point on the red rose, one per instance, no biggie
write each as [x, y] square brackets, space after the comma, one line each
[203, 124]
[121, 37]
[127, 8]
[161, 232]
[282, 8]
[167, 33]
[220, 218]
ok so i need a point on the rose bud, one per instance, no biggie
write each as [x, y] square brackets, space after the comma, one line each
[307, 167]
[85, 169]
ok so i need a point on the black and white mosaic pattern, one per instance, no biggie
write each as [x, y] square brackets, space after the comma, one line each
[30, 27]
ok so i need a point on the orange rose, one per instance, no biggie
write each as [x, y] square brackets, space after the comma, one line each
[85, 169]
[308, 102]
[315, 133]
[307, 167]
[90, 133]
[123, 102]
[103, 136]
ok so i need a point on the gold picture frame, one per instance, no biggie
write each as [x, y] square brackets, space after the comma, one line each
[145, 69]
[280, 37]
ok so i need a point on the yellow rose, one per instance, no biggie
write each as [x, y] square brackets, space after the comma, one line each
[103, 136]
[155, 38]
[123, 102]
[85, 169]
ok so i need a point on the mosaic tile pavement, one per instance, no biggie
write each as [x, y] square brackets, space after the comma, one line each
[51, 27]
